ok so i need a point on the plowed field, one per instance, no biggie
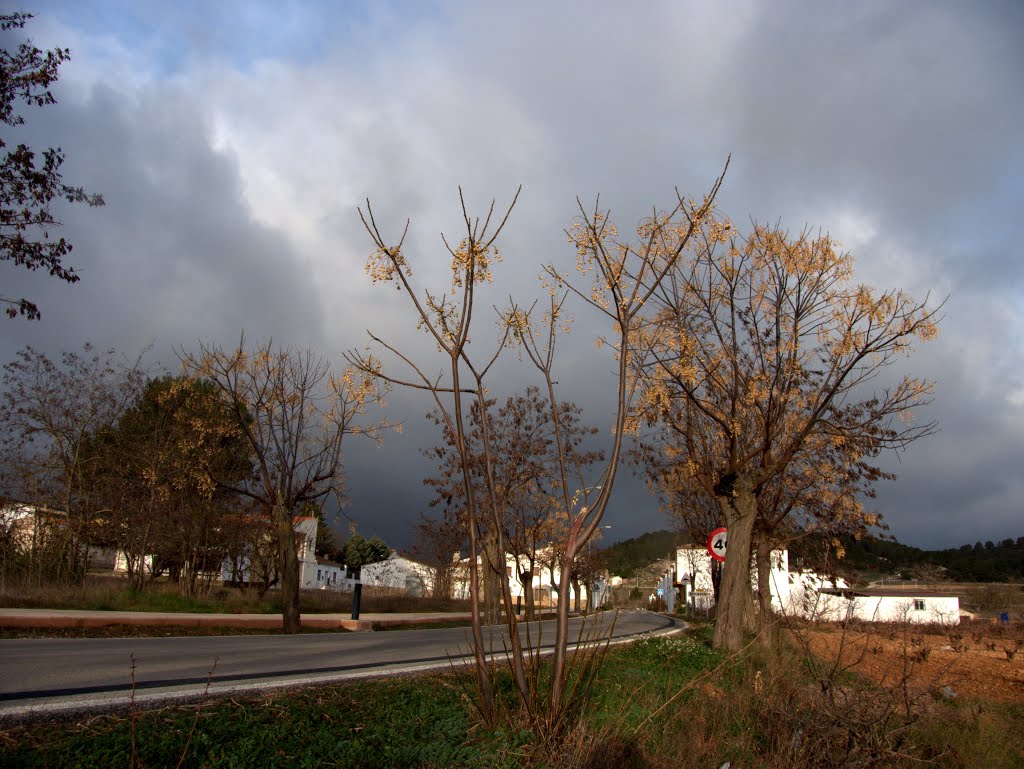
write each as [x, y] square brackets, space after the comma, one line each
[976, 660]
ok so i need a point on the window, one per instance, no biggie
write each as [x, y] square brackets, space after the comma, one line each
[918, 604]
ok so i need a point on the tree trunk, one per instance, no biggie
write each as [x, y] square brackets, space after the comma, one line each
[561, 633]
[575, 581]
[765, 613]
[494, 564]
[527, 579]
[735, 600]
[289, 569]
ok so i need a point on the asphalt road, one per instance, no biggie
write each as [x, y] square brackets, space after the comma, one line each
[52, 676]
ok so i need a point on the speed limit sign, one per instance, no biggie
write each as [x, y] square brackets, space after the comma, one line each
[717, 543]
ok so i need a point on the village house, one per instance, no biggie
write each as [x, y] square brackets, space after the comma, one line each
[399, 572]
[543, 579]
[804, 593]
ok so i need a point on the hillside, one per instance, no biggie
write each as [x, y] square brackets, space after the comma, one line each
[980, 562]
[624, 558]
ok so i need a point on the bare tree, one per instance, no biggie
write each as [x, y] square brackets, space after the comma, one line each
[49, 412]
[294, 414]
[439, 544]
[526, 475]
[623, 281]
[446, 318]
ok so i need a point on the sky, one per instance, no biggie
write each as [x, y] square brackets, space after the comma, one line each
[233, 142]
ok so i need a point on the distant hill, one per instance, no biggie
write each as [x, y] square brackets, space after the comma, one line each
[624, 558]
[981, 562]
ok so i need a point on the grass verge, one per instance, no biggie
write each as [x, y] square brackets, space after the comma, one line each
[146, 631]
[668, 702]
[107, 593]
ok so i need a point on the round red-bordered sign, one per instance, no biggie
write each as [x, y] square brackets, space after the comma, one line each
[718, 540]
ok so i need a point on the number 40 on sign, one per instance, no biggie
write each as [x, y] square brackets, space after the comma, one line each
[717, 542]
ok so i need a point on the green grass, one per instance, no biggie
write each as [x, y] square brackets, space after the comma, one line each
[166, 601]
[392, 723]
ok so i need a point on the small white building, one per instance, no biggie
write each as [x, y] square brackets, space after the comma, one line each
[693, 575]
[331, 575]
[239, 570]
[543, 578]
[878, 604]
[401, 573]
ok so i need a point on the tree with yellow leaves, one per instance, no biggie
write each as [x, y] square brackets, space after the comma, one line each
[764, 356]
[158, 482]
[619, 282]
[293, 413]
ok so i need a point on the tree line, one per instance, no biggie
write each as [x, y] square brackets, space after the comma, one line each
[989, 561]
[180, 473]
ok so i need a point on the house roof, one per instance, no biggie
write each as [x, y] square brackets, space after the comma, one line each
[887, 592]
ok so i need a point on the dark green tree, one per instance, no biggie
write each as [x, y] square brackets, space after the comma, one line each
[160, 482]
[359, 551]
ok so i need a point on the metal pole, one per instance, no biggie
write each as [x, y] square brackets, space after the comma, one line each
[357, 595]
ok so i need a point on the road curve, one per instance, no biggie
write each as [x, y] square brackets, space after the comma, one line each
[50, 676]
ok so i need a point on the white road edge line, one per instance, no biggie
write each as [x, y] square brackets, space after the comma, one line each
[203, 692]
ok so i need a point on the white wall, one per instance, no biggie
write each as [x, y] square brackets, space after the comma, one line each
[694, 562]
[331, 575]
[543, 576]
[400, 573]
[944, 610]
[938, 609]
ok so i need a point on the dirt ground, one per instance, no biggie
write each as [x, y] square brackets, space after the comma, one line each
[977, 659]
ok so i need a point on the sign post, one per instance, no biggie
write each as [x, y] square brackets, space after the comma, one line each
[717, 543]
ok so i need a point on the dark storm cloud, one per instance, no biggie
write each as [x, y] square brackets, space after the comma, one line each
[174, 255]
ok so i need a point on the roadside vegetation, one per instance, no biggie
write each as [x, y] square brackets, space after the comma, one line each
[98, 593]
[148, 631]
[664, 702]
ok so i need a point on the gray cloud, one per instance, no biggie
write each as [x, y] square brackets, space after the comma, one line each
[174, 255]
[232, 171]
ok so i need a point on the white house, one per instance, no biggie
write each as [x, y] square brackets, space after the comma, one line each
[886, 605]
[27, 526]
[240, 569]
[331, 575]
[399, 572]
[808, 594]
[693, 574]
[543, 579]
